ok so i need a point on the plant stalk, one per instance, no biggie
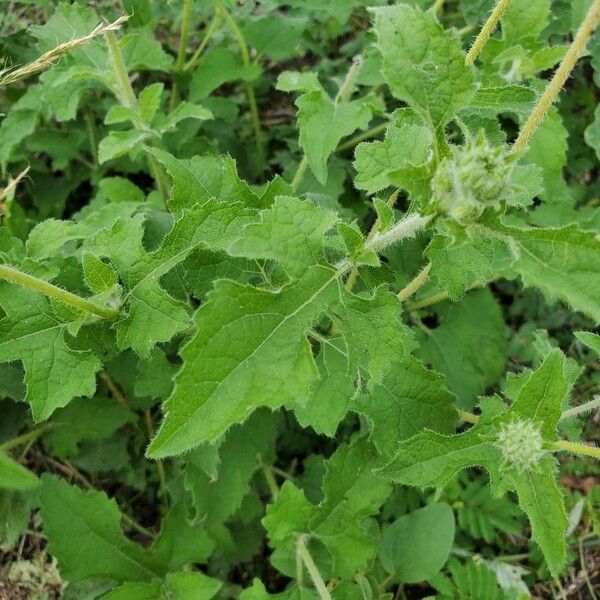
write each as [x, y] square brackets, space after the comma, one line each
[575, 448]
[30, 436]
[127, 98]
[184, 36]
[561, 74]
[416, 284]
[212, 27]
[303, 556]
[52, 291]
[249, 89]
[589, 406]
[486, 31]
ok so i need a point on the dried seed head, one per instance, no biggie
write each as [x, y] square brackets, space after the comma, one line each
[521, 444]
[475, 177]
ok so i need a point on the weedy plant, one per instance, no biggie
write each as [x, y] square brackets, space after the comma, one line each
[248, 348]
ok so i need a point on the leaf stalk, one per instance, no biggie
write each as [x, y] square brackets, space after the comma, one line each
[303, 557]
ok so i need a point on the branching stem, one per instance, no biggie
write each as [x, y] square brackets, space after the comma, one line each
[303, 557]
[52, 291]
[561, 74]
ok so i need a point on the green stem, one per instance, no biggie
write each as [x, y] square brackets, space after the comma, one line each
[575, 448]
[184, 36]
[561, 74]
[30, 436]
[486, 31]
[353, 277]
[299, 174]
[91, 126]
[361, 137]
[127, 97]
[574, 411]
[52, 291]
[213, 26]
[124, 91]
[466, 416]
[415, 285]
[303, 556]
[269, 478]
[249, 89]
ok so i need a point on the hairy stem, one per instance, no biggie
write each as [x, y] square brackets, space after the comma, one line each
[303, 556]
[466, 416]
[561, 74]
[52, 291]
[299, 174]
[575, 448]
[267, 472]
[352, 278]
[249, 89]
[416, 284]
[586, 407]
[486, 31]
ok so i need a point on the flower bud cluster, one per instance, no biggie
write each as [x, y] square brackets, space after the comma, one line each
[521, 444]
[475, 177]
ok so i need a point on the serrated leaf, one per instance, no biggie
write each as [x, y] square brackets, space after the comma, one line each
[290, 231]
[399, 159]
[93, 520]
[117, 143]
[423, 64]
[323, 123]
[149, 101]
[409, 399]
[542, 501]
[31, 332]
[564, 263]
[269, 361]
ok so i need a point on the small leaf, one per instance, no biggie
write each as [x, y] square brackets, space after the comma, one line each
[14, 476]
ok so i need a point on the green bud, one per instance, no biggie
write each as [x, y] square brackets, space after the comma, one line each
[521, 444]
[475, 177]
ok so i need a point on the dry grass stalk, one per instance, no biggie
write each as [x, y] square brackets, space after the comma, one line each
[8, 75]
[12, 184]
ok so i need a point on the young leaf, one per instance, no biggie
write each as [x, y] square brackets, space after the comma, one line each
[14, 476]
[423, 64]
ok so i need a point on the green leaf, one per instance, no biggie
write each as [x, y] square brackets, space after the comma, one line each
[14, 476]
[591, 340]
[85, 419]
[149, 101]
[185, 110]
[352, 493]
[468, 346]
[97, 275]
[374, 335]
[541, 499]
[406, 550]
[276, 35]
[192, 585]
[204, 178]
[117, 143]
[291, 232]
[564, 263]
[250, 350]
[525, 19]
[217, 67]
[516, 98]
[209, 225]
[410, 398]
[423, 64]
[542, 396]
[400, 159]
[55, 372]
[323, 123]
[93, 520]
[294, 81]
